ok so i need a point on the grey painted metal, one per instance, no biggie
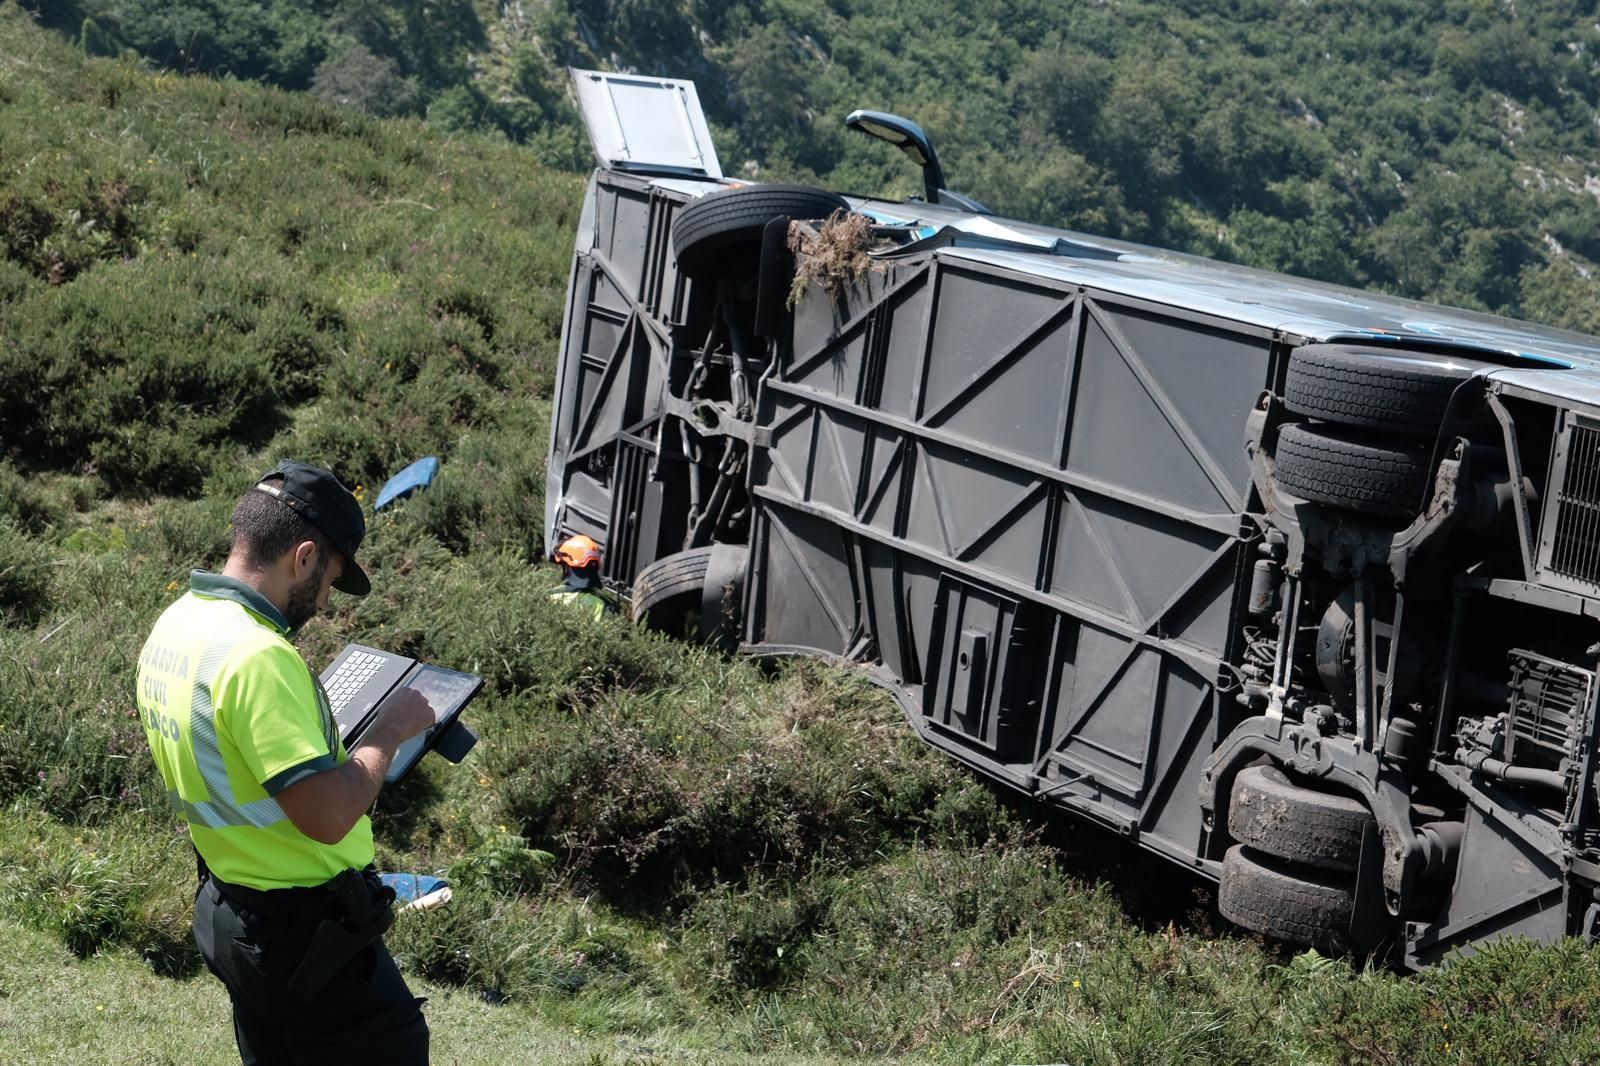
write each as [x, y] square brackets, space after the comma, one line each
[1026, 479]
[646, 124]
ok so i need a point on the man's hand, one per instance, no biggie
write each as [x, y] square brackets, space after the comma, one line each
[326, 806]
[402, 716]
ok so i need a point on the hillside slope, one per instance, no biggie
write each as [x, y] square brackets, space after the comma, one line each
[1446, 151]
[661, 853]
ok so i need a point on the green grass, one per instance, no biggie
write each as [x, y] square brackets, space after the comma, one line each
[111, 1011]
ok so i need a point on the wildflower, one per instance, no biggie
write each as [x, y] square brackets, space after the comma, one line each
[171, 585]
[99, 1006]
[1076, 983]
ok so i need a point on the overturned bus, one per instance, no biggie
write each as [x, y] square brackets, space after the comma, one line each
[1294, 585]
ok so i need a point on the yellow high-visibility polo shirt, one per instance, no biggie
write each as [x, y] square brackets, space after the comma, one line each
[234, 716]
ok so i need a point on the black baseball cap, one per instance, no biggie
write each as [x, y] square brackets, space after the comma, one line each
[321, 499]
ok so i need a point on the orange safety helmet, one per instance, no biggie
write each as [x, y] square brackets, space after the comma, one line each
[578, 551]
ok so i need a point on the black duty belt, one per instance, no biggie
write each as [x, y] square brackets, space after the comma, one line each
[284, 905]
[351, 911]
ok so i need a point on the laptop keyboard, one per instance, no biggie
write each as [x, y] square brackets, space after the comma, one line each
[353, 673]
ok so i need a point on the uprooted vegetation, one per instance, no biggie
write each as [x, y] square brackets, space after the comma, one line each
[835, 255]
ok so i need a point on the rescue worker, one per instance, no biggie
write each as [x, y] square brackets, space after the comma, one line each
[289, 913]
[579, 557]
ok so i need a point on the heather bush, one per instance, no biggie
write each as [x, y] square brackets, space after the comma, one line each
[70, 736]
[24, 577]
[222, 273]
[118, 373]
[15, 281]
[33, 509]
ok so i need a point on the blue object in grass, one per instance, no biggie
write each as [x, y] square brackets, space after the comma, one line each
[409, 888]
[416, 476]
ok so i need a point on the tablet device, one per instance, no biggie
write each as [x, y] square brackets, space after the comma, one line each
[448, 691]
[361, 678]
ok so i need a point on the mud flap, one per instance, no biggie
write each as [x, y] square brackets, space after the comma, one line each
[1370, 916]
[777, 274]
[721, 620]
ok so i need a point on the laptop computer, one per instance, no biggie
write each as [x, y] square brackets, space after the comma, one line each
[360, 678]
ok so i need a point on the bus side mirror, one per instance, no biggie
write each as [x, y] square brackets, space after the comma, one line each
[909, 138]
[914, 142]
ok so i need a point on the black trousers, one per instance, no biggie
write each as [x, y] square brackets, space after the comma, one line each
[365, 1013]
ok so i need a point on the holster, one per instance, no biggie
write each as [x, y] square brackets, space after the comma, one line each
[363, 913]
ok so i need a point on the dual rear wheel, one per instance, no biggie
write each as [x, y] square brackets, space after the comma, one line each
[732, 235]
[1292, 873]
[1373, 414]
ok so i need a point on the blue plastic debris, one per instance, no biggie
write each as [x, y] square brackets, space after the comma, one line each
[408, 887]
[418, 891]
[416, 476]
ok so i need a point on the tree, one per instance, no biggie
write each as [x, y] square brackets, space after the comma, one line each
[1060, 93]
[279, 42]
[353, 77]
[430, 40]
[63, 15]
[769, 81]
[97, 41]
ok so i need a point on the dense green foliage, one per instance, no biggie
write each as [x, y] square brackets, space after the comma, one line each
[1442, 151]
[179, 286]
[655, 846]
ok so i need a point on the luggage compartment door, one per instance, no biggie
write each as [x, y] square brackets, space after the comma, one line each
[646, 125]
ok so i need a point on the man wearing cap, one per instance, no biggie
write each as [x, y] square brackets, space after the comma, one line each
[289, 914]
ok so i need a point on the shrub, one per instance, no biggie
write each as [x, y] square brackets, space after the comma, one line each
[57, 229]
[712, 774]
[491, 496]
[33, 509]
[96, 372]
[755, 941]
[188, 534]
[526, 949]
[24, 577]
[15, 281]
[70, 736]
[501, 862]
